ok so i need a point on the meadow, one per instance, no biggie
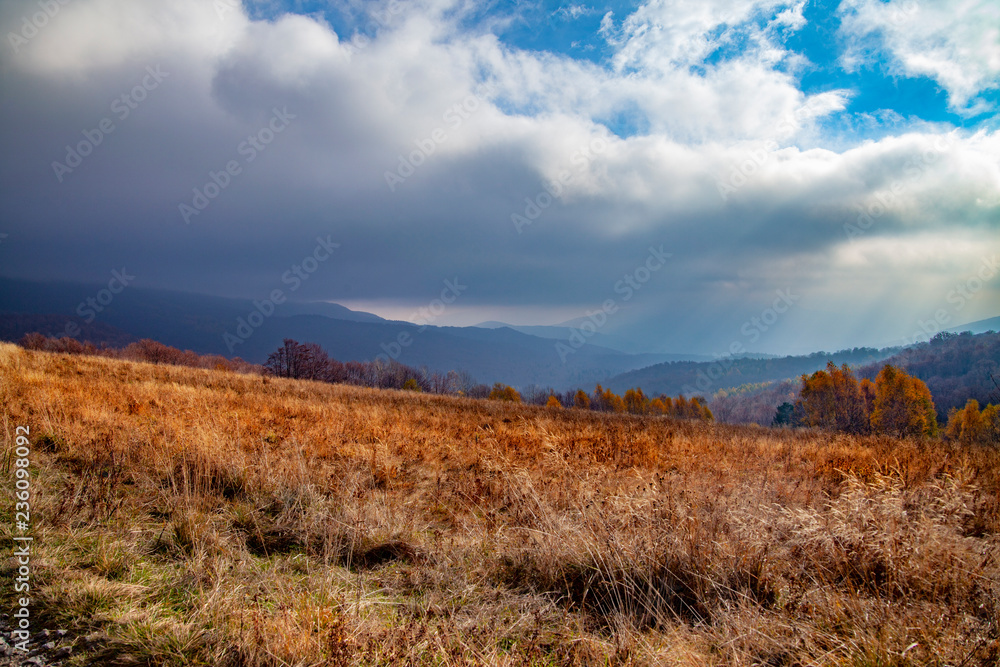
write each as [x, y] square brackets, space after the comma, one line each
[188, 516]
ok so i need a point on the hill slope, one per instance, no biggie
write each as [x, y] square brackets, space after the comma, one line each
[955, 367]
[206, 517]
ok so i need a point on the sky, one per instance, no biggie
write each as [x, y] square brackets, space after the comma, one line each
[786, 176]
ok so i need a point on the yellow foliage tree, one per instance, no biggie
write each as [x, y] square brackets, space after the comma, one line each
[502, 392]
[991, 425]
[970, 426]
[553, 402]
[903, 405]
[636, 402]
[700, 409]
[867, 389]
[658, 407]
[833, 399]
[613, 401]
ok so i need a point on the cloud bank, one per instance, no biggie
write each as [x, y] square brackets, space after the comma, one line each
[431, 147]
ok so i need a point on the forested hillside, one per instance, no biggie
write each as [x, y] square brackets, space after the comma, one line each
[955, 367]
[705, 378]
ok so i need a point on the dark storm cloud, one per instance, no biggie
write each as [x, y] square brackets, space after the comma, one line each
[394, 149]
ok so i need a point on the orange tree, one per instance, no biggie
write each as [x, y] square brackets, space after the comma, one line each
[636, 402]
[502, 392]
[903, 405]
[970, 426]
[833, 399]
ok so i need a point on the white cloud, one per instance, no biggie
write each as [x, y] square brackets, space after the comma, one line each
[954, 42]
[573, 12]
[95, 35]
[663, 34]
[660, 66]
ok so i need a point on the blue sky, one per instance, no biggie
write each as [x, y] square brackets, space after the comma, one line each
[847, 151]
[879, 87]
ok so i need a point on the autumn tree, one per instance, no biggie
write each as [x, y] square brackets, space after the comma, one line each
[502, 392]
[972, 426]
[867, 389]
[635, 401]
[687, 408]
[681, 407]
[606, 400]
[581, 400]
[553, 402]
[612, 401]
[306, 361]
[33, 341]
[699, 409]
[991, 425]
[833, 399]
[903, 405]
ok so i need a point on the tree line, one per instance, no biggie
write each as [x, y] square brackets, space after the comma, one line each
[309, 361]
[895, 403]
[145, 350]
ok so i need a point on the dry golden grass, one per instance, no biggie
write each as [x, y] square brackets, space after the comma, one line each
[211, 518]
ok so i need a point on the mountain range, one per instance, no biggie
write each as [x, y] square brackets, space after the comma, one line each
[240, 327]
[521, 356]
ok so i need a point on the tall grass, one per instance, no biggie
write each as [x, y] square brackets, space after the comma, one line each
[188, 516]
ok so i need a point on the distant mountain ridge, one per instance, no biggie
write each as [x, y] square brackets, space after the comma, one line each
[490, 352]
[978, 327]
[610, 341]
[705, 378]
[199, 323]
